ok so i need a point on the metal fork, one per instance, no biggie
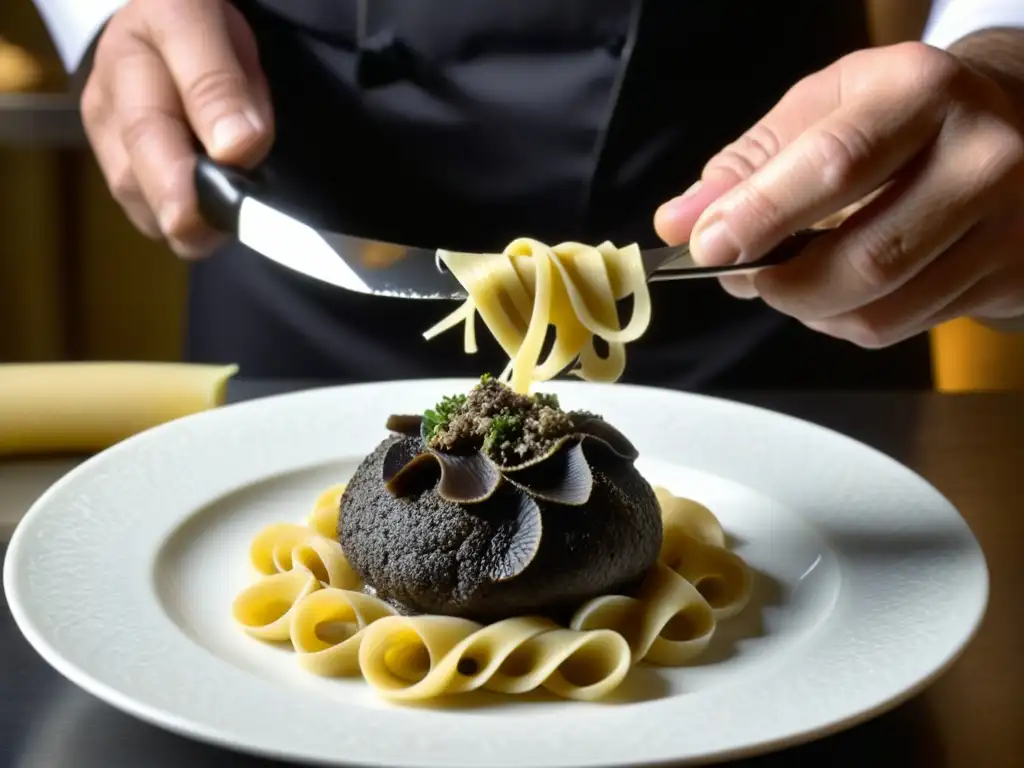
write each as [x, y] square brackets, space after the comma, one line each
[229, 200]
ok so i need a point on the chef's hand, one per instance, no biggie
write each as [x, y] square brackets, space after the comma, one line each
[165, 72]
[925, 158]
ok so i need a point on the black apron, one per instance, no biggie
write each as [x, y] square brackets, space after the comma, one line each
[465, 124]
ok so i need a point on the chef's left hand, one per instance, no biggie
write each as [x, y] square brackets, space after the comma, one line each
[922, 154]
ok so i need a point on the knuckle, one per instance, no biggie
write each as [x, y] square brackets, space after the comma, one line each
[996, 156]
[880, 260]
[136, 127]
[926, 68]
[213, 90]
[926, 76]
[731, 159]
[748, 153]
[759, 144]
[838, 151]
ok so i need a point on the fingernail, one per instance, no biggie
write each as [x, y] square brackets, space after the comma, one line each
[232, 130]
[713, 245]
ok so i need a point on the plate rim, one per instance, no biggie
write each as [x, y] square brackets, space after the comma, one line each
[154, 715]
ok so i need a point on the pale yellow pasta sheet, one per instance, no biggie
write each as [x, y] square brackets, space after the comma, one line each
[86, 407]
[694, 546]
[667, 623]
[422, 657]
[328, 626]
[324, 517]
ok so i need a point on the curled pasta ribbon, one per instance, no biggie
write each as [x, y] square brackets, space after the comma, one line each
[324, 517]
[417, 658]
[265, 609]
[581, 665]
[668, 623]
[693, 545]
[328, 626]
[284, 547]
[295, 562]
[690, 517]
[572, 287]
[307, 595]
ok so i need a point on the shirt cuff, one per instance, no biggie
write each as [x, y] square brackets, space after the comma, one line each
[951, 20]
[74, 23]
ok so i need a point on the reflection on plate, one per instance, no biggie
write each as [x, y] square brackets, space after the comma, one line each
[868, 583]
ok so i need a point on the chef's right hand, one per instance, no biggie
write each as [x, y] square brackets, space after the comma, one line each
[165, 72]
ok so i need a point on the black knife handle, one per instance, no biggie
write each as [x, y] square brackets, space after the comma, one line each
[220, 190]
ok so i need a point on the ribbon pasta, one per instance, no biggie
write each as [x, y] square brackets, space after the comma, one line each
[308, 595]
[510, 656]
[530, 286]
[693, 545]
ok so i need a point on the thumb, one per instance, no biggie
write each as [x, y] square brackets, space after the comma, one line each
[210, 52]
[804, 104]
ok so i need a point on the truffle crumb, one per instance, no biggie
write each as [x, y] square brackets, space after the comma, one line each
[512, 428]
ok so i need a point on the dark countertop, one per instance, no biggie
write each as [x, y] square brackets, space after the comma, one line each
[970, 446]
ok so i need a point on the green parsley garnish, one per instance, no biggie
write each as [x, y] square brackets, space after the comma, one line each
[436, 419]
[551, 401]
[504, 428]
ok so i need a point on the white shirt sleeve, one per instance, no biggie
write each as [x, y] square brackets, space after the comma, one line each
[952, 19]
[74, 23]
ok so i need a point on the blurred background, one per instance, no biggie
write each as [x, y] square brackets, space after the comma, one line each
[78, 283]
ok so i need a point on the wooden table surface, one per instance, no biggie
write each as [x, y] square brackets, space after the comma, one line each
[969, 446]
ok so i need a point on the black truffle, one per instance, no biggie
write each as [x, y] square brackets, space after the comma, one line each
[424, 554]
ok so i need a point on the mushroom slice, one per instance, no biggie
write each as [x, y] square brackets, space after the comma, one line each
[599, 431]
[466, 478]
[563, 478]
[525, 541]
[405, 424]
[407, 469]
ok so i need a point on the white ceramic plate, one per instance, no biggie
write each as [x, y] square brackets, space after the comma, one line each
[868, 586]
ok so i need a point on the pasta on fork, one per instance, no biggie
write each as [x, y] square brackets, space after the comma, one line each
[573, 287]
